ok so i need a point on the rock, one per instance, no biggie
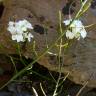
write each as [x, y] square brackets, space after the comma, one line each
[5, 94]
[80, 61]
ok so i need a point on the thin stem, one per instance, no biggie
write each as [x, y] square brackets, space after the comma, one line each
[59, 59]
[90, 25]
[34, 48]
[35, 92]
[42, 90]
[20, 54]
[82, 88]
[64, 79]
[13, 64]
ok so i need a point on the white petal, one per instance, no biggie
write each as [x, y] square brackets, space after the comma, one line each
[69, 35]
[24, 28]
[11, 23]
[20, 38]
[29, 26]
[12, 30]
[29, 37]
[26, 24]
[14, 37]
[77, 23]
[83, 33]
[67, 22]
[76, 30]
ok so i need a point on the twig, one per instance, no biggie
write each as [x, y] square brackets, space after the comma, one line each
[35, 92]
[82, 88]
[42, 90]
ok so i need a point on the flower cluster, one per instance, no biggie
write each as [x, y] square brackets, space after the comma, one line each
[76, 29]
[19, 30]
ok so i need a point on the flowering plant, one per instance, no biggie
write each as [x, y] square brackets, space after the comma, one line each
[76, 29]
[19, 30]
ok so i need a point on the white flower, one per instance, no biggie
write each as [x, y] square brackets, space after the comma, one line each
[18, 37]
[69, 34]
[19, 30]
[24, 25]
[76, 29]
[11, 27]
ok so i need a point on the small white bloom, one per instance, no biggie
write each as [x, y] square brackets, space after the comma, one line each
[18, 37]
[14, 37]
[83, 33]
[29, 36]
[69, 34]
[19, 30]
[11, 23]
[11, 27]
[24, 25]
[76, 29]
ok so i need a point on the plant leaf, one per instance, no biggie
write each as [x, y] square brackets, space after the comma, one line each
[85, 5]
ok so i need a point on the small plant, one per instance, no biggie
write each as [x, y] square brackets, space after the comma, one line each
[75, 29]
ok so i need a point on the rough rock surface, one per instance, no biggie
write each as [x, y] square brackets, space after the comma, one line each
[81, 61]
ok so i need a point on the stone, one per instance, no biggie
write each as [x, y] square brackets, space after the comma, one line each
[80, 61]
